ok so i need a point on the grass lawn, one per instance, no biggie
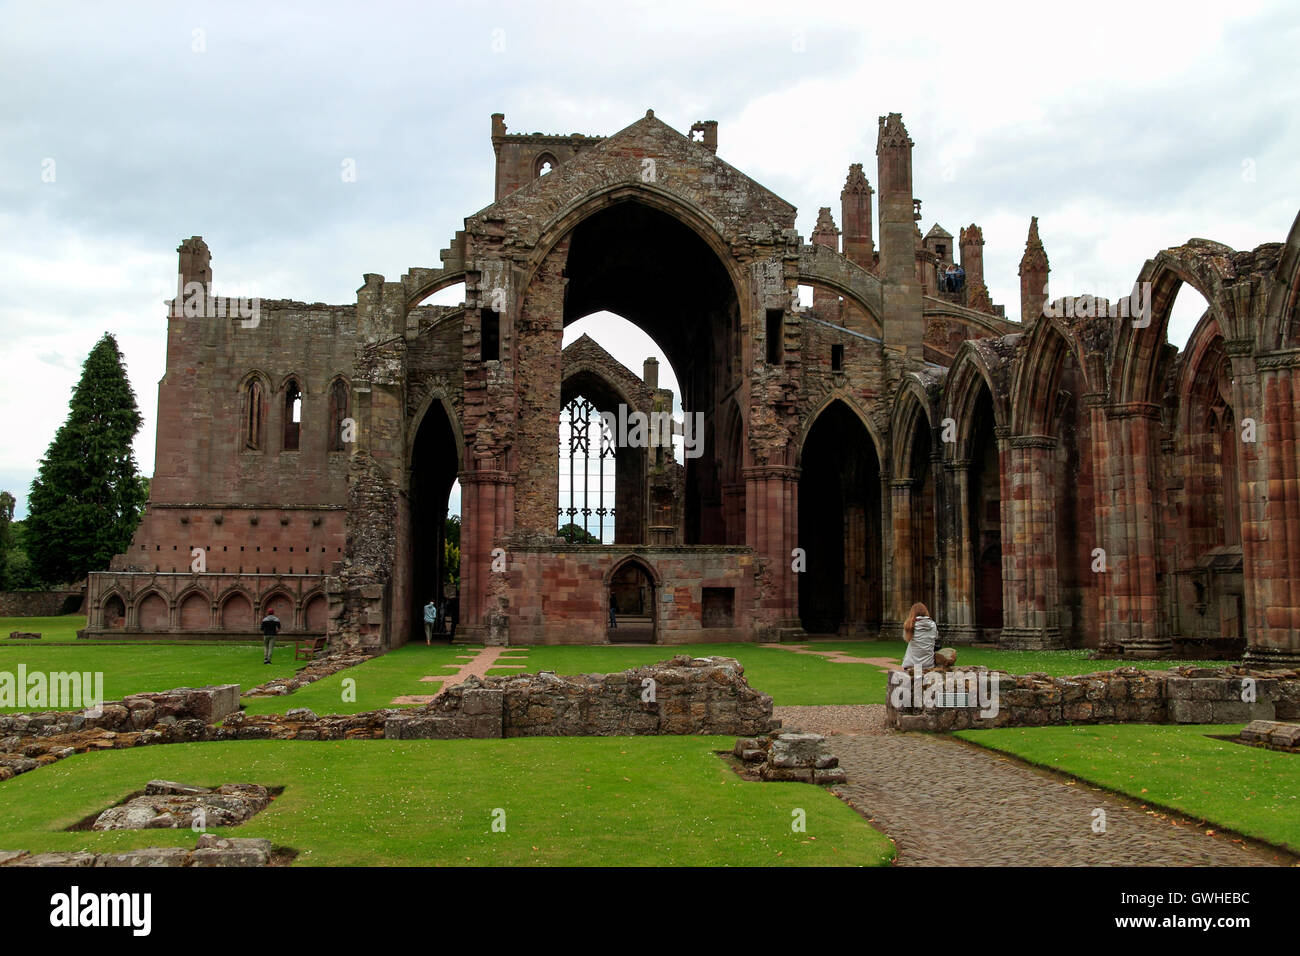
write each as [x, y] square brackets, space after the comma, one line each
[789, 678]
[131, 670]
[377, 682]
[53, 630]
[587, 801]
[1054, 663]
[1247, 789]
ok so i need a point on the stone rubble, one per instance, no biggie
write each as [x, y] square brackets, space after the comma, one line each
[211, 850]
[1272, 734]
[805, 758]
[316, 670]
[169, 805]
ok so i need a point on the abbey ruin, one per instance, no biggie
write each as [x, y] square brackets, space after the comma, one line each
[1062, 477]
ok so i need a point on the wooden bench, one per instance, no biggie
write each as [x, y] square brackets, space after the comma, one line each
[306, 648]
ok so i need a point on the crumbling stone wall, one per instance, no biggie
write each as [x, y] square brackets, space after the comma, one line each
[1182, 695]
[684, 695]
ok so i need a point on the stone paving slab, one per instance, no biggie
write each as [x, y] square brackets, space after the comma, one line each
[945, 802]
[477, 664]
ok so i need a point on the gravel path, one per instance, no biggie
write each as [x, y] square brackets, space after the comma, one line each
[948, 803]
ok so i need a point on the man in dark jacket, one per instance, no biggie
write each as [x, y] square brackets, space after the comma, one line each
[270, 628]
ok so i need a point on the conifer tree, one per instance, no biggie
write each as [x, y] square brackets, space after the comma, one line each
[88, 496]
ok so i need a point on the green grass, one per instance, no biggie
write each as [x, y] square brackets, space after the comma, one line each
[53, 630]
[1248, 789]
[376, 682]
[1054, 663]
[789, 678]
[133, 670]
[586, 801]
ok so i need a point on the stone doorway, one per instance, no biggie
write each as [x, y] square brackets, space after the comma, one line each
[434, 464]
[631, 599]
[840, 527]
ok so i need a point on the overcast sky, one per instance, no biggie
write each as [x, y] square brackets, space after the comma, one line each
[1125, 129]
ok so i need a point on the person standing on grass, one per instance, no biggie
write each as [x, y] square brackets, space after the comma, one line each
[430, 619]
[270, 628]
[922, 636]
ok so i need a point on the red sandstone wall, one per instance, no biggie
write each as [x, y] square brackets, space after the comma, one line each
[562, 597]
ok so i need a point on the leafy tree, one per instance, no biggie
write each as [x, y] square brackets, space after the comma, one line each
[576, 534]
[7, 503]
[451, 550]
[87, 497]
[16, 572]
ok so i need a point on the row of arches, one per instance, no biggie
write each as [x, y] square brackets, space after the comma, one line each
[1056, 447]
[196, 610]
[257, 400]
[997, 486]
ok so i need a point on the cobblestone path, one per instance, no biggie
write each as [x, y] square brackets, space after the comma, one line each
[948, 803]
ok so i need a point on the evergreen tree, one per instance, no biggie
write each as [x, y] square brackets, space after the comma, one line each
[87, 497]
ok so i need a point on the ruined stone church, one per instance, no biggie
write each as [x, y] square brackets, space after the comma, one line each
[1061, 478]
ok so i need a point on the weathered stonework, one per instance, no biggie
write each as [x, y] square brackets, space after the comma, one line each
[803, 758]
[168, 805]
[1067, 479]
[1182, 695]
[706, 695]
[211, 850]
[1273, 734]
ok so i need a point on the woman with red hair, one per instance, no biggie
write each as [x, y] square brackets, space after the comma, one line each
[922, 636]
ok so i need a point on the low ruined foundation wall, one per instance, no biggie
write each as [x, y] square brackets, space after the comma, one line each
[1181, 695]
[135, 712]
[707, 695]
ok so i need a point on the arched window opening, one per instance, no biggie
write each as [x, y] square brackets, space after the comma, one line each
[340, 396]
[545, 164]
[254, 403]
[292, 415]
[587, 475]
[1186, 311]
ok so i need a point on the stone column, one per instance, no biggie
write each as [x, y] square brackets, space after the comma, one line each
[487, 516]
[903, 592]
[733, 509]
[959, 558]
[1031, 595]
[1103, 495]
[1266, 390]
[1134, 619]
[772, 518]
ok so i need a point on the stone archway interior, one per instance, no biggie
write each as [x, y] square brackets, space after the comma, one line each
[840, 527]
[433, 472]
[656, 272]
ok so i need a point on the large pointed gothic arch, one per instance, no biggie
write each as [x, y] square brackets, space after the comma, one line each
[840, 564]
[1205, 266]
[976, 408]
